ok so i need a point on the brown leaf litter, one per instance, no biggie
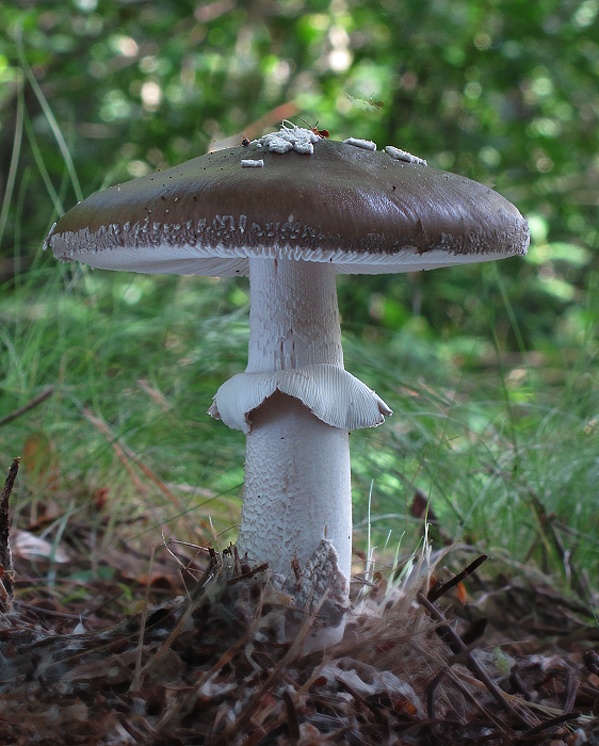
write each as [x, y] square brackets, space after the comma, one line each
[215, 666]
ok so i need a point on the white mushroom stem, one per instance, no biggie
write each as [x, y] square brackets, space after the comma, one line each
[294, 317]
[298, 485]
[297, 406]
[297, 489]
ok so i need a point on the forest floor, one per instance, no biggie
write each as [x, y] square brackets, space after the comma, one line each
[191, 647]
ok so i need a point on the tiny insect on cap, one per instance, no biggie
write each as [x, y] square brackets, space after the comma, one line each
[306, 197]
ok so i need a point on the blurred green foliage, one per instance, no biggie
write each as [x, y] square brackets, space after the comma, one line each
[503, 91]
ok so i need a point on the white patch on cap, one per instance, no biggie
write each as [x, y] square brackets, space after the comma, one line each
[365, 144]
[289, 137]
[249, 163]
[402, 155]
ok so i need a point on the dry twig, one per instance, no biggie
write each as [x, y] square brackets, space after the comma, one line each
[460, 649]
[30, 405]
[7, 572]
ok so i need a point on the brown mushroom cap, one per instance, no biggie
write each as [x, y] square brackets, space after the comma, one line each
[366, 211]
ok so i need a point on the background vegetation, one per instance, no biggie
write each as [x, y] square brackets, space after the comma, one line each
[492, 370]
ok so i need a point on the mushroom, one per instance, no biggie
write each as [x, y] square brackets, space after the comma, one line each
[292, 210]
